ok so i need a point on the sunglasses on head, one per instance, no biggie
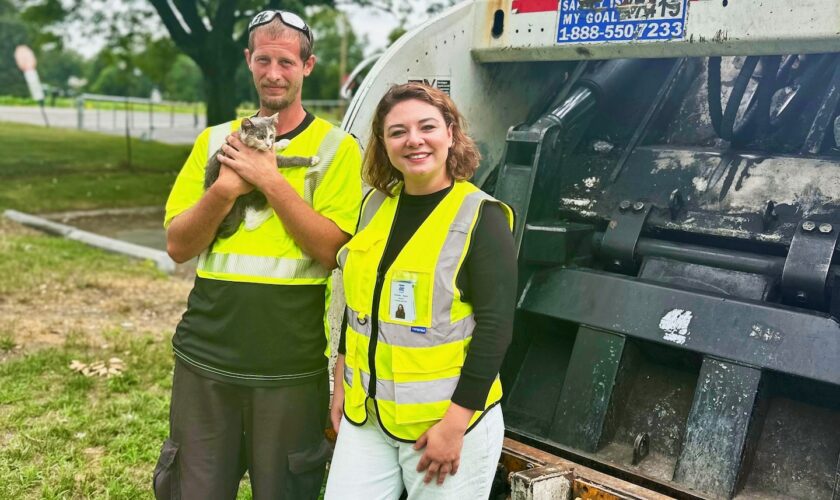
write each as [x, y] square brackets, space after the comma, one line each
[290, 19]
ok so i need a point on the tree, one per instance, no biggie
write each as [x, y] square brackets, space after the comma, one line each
[329, 27]
[6, 8]
[41, 16]
[213, 34]
[157, 59]
[183, 83]
[11, 79]
[24, 27]
[56, 66]
[115, 80]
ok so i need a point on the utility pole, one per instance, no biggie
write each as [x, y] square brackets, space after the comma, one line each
[342, 58]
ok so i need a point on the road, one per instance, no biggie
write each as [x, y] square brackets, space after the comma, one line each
[172, 128]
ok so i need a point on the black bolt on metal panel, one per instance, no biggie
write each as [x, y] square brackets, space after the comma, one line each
[718, 427]
[618, 247]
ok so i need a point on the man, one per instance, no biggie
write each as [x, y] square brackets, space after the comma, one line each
[250, 387]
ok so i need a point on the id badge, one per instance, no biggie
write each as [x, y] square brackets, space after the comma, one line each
[402, 301]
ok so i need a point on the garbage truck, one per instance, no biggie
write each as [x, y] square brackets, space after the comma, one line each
[674, 170]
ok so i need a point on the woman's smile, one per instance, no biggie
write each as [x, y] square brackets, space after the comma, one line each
[417, 140]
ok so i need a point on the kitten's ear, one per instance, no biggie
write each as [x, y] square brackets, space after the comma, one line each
[274, 118]
[247, 124]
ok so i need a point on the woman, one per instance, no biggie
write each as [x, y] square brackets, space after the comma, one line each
[430, 282]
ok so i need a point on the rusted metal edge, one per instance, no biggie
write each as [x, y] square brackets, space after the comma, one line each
[587, 483]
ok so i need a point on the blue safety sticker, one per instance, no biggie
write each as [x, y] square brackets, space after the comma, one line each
[621, 20]
[418, 329]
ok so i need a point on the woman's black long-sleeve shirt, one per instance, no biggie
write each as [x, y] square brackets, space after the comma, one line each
[487, 280]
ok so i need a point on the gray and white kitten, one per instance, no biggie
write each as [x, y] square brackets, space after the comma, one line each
[257, 133]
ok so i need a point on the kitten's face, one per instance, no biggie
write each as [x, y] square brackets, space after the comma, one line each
[258, 133]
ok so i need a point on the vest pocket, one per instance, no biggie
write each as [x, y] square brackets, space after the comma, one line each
[424, 380]
[415, 364]
[355, 393]
[359, 271]
[411, 405]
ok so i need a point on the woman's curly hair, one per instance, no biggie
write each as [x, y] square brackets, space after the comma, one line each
[462, 160]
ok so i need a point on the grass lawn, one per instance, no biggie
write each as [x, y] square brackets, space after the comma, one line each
[52, 170]
[64, 435]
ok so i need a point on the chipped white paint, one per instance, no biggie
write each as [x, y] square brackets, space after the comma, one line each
[700, 184]
[808, 183]
[675, 325]
[602, 146]
[765, 334]
[690, 225]
[548, 229]
[672, 160]
[577, 202]
[591, 182]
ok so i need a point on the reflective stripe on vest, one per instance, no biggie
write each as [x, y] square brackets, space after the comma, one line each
[401, 335]
[429, 391]
[268, 267]
[275, 267]
[218, 133]
[422, 387]
[371, 202]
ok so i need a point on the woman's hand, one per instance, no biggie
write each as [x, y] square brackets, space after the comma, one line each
[443, 442]
[337, 406]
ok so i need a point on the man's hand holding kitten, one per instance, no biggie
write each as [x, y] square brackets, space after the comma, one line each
[254, 168]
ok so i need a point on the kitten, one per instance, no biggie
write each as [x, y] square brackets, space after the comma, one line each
[257, 133]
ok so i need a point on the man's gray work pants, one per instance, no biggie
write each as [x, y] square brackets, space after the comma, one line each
[219, 430]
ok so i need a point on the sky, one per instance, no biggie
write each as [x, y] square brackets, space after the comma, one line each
[366, 21]
[373, 23]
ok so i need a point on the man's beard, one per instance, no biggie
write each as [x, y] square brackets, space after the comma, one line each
[276, 104]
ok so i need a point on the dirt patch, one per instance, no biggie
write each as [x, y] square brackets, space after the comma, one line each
[87, 312]
[55, 312]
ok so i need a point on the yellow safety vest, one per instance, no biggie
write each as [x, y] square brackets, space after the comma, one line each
[252, 257]
[418, 359]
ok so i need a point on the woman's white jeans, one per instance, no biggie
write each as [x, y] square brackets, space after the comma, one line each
[368, 465]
